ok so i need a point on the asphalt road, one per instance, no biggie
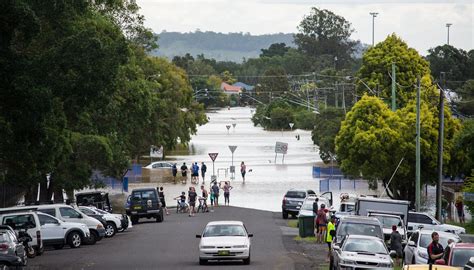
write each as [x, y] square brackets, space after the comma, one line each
[173, 245]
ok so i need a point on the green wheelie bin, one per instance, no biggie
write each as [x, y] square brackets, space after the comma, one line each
[306, 226]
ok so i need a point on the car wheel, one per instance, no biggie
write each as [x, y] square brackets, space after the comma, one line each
[247, 261]
[285, 215]
[202, 261]
[58, 246]
[159, 218]
[92, 238]
[110, 229]
[30, 252]
[134, 219]
[74, 240]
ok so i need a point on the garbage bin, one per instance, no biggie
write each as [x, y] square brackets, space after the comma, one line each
[306, 226]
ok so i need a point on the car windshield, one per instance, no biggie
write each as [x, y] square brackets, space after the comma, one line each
[388, 222]
[364, 245]
[461, 256]
[349, 228]
[443, 240]
[296, 194]
[224, 230]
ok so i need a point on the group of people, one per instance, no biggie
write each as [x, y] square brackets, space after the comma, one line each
[195, 169]
[324, 227]
[192, 197]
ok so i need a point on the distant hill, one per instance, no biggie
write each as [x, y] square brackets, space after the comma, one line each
[222, 47]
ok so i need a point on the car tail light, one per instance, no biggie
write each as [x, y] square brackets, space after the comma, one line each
[285, 201]
[4, 247]
[38, 237]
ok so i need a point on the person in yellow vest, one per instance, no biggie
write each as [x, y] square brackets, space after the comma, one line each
[331, 233]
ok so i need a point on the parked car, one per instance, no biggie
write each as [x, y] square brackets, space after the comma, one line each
[124, 219]
[387, 222]
[224, 240]
[67, 213]
[9, 244]
[470, 264]
[159, 165]
[415, 251]
[21, 219]
[56, 233]
[9, 261]
[113, 223]
[98, 199]
[144, 202]
[361, 252]
[418, 220]
[307, 207]
[358, 225]
[428, 267]
[293, 200]
[459, 254]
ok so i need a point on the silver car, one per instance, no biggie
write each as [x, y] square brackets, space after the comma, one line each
[416, 252]
[361, 252]
[9, 244]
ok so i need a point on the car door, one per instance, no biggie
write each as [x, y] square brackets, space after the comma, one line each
[328, 196]
[51, 228]
[410, 250]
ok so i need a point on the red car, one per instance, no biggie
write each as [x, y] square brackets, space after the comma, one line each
[460, 254]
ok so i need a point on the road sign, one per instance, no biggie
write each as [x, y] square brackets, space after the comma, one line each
[281, 148]
[291, 125]
[228, 127]
[213, 156]
[234, 124]
[232, 148]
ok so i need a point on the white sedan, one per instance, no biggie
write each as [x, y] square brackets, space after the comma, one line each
[416, 249]
[224, 240]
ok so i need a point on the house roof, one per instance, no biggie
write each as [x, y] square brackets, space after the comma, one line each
[230, 88]
[243, 85]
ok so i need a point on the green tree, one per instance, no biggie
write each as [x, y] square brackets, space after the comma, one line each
[324, 33]
[326, 126]
[227, 77]
[276, 49]
[454, 62]
[274, 83]
[463, 152]
[465, 101]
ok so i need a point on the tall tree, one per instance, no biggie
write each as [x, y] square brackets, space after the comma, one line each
[276, 49]
[454, 62]
[326, 127]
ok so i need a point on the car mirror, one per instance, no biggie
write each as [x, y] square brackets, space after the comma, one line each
[80, 216]
[433, 222]
[411, 244]
[250, 234]
[198, 236]
[336, 247]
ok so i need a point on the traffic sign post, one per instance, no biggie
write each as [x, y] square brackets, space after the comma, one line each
[232, 168]
[233, 125]
[281, 148]
[228, 127]
[291, 125]
[213, 157]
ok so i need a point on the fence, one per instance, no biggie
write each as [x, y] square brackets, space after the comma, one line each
[322, 172]
[134, 175]
[332, 184]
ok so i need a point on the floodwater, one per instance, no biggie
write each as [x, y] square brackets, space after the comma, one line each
[266, 180]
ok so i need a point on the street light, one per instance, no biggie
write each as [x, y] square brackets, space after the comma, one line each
[447, 26]
[374, 14]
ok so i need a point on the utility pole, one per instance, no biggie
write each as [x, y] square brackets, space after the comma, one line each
[440, 146]
[374, 14]
[418, 165]
[447, 26]
[394, 82]
[343, 100]
[335, 94]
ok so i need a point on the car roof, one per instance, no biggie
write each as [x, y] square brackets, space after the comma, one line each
[18, 213]
[298, 189]
[359, 219]
[356, 236]
[143, 189]
[441, 233]
[225, 222]
[384, 215]
[91, 192]
[463, 246]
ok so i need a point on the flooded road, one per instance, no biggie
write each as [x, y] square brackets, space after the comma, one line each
[267, 181]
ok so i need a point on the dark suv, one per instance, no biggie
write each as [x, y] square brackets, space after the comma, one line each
[293, 200]
[144, 202]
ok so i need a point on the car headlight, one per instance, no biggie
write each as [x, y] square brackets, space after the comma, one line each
[386, 265]
[99, 226]
[422, 254]
[240, 246]
[207, 247]
[347, 262]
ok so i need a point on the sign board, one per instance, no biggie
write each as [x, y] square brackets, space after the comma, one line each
[291, 125]
[232, 169]
[468, 196]
[234, 124]
[213, 156]
[228, 127]
[281, 148]
[232, 148]
[156, 152]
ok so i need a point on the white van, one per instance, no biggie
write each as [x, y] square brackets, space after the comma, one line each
[67, 213]
[20, 219]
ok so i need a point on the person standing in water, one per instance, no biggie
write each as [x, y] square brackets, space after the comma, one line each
[243, 170]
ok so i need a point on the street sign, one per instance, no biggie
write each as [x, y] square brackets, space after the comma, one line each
[281, 148]
[228, 127]
[232, 148]
[213, 156]
[234, 124]
[291, 125]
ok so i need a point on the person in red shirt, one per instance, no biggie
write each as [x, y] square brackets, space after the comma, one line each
[435, 249]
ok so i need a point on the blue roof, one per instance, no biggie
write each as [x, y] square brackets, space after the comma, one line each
[243, 85]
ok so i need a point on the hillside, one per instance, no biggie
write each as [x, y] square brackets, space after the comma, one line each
[223, 47]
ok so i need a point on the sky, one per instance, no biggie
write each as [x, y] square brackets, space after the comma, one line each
[421, 23]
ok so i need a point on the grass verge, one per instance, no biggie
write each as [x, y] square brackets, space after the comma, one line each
[310, 239]
[293, 223]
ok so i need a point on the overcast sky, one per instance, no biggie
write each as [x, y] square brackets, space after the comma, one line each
[421, 23]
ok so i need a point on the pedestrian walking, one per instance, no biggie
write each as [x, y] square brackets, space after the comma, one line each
[331, 228]
[161, 195]
[460, 209]
[215, 189]
[184, 172]
[227, 187]
[174, 170]
[195, 173]
[203, 171]
[396, 245]
[243, 170]
[192, 195]
[204, 196]
[322, 221]
[435, 249]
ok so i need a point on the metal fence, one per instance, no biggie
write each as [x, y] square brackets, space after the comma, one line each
[134, 175]
[323, 172]
[332, 184]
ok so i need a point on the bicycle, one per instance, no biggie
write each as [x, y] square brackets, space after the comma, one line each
[202, 205]
[181, 207]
